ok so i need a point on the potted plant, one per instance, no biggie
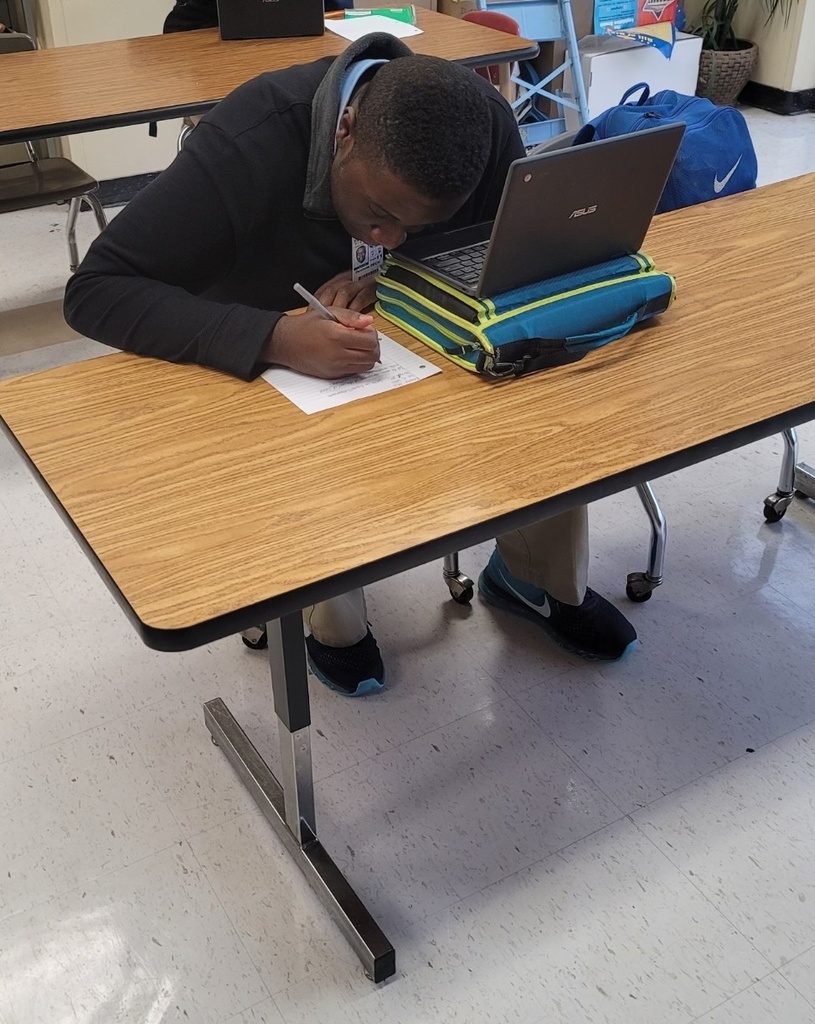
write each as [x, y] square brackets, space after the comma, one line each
[727, 62]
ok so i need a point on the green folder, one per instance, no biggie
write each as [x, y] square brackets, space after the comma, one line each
[407, 14]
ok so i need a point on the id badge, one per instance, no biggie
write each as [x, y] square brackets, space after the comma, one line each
[365, 259]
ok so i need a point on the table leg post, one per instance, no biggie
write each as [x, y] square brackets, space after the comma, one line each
[287, 661]
[289, 808]
[505, 86]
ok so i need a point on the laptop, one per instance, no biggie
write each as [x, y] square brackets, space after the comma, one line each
[560, 211]
[262, 19]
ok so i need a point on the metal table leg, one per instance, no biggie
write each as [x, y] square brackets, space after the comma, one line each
[505, 84]
[640, 585]
[289, 808]
[775, 505]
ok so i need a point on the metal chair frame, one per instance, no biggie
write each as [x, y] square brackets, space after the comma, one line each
[545, 21]
[82, 190]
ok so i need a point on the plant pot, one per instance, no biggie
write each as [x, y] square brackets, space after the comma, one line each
[724, 73]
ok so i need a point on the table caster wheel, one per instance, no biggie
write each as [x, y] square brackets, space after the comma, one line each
[255, 638]
[775, 506]
[460, 587]
[639, 588]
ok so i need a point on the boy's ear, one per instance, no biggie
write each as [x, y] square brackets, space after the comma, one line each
[346, 129]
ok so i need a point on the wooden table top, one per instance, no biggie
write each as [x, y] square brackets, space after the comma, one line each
[70, 89]
[202, 495]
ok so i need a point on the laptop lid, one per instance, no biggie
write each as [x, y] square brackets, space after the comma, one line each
[260, 19]
[567, 209]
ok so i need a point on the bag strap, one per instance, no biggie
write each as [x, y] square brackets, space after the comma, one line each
[646, 92]
[529, 354]
[588, 132]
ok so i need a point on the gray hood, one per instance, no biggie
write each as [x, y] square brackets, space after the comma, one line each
[325, 111]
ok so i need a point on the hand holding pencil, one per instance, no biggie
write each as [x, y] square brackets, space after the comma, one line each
[328, 342]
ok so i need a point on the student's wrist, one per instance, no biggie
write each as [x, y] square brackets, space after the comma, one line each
[277, 344]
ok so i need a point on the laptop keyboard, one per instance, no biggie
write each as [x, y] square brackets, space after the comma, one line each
[463, 264]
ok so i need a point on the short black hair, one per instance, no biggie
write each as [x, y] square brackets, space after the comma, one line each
[428, 120]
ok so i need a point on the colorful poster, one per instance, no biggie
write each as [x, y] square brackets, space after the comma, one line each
[614, 14]
[656, 12]
[650, 22]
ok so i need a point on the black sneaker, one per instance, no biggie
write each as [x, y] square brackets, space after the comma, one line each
[353, 671]
[594, 629]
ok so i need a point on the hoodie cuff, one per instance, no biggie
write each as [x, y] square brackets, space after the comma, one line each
[238, 341]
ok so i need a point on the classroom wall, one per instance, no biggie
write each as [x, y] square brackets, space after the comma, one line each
[119, 152]
[786, 52]
[803, 72]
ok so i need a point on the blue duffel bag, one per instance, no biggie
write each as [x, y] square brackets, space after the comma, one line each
[716, 157]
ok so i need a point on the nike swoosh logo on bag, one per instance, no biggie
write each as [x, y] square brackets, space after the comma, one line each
[544, 609]
[719, 185]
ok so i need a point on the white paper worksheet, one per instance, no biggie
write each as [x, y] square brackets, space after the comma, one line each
[399, 366]
[356, 28]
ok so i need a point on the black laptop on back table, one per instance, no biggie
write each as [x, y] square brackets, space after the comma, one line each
[270, 19]
[560, 211]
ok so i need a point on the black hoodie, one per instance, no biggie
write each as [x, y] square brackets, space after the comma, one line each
[199, 266]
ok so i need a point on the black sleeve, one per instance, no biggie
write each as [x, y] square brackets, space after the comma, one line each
[138, 287]
[188, 15]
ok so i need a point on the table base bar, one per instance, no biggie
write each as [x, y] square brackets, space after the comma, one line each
[375, 952]
[805, 479]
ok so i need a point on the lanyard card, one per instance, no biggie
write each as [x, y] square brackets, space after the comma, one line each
[365, 259]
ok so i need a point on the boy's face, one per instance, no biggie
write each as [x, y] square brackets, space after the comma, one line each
[372, 203]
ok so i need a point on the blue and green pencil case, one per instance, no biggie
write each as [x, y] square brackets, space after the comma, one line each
[527, 329]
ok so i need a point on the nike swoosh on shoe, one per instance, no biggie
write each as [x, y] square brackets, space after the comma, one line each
[544, 608]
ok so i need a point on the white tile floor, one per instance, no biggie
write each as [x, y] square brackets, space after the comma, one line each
[547, 841]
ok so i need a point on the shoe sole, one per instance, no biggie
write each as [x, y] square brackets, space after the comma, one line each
[365, 687]
[499, 598]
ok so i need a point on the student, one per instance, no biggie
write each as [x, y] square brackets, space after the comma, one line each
[273, 187]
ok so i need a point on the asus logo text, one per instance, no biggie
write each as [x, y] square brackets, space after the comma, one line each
[582, 212]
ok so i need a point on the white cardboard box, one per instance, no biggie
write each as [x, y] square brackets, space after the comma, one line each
[612, 65]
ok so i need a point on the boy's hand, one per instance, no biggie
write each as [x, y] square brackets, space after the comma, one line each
[343, 291]
[311, 344]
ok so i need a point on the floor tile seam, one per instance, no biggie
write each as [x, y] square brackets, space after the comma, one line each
[741, 991]
[86, 883]
[691, 880]
[799, 603]
[577, 767]
[268, 999]
[502, 698]
[232, 924]
[106, 723]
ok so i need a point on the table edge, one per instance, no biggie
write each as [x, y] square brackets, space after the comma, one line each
[60, 129]
[190, 637]
[130, 118]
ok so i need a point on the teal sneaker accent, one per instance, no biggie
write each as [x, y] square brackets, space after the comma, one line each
[353, 671]
[595, 629]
